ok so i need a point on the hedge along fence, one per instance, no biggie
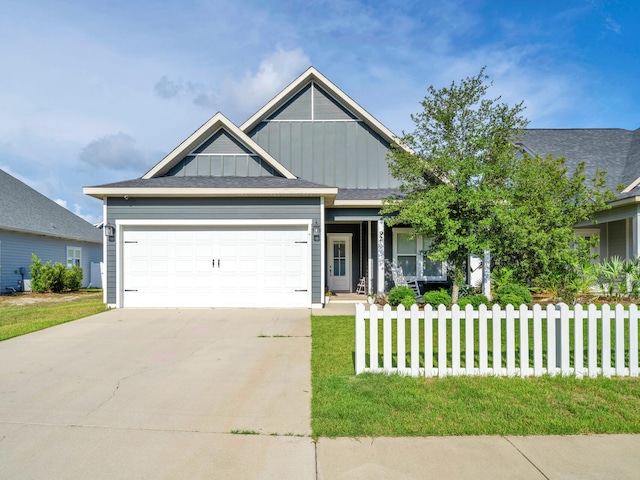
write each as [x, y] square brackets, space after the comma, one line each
[523, 342]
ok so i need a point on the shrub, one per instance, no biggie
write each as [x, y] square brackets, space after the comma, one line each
[511, 299]
[474, 300]
[437, 297]
[513, 291]
[398, 294]
[54, 278]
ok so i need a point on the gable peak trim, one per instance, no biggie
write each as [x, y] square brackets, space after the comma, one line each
[197, 138]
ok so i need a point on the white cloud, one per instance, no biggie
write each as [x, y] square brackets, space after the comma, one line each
[61, 202]
[275, 71]
[116, 151]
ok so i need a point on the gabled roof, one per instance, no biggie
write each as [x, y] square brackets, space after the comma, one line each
[313, 75]
[213, 125]
[617, 151]
[22, 209]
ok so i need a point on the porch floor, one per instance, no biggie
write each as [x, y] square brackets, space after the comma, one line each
[345, 297]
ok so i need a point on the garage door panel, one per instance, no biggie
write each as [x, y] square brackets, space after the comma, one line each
[216, 266]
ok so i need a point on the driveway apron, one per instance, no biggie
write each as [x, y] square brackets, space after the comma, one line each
[175, 393]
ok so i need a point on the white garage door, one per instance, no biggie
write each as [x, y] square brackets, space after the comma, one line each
[216, 266]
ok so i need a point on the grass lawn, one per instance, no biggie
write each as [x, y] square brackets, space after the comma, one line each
[344, 405]
[28, 313]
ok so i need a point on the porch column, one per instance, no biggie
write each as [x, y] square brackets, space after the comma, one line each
[635, 235]
[369, 260]
[380, 243]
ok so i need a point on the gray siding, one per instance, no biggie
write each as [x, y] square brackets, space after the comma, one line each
[297, 108]
[222, 143]
[345, 154]
[222, 166]
[16, 249]
[326, 107]
[213, 209]
[617, 239]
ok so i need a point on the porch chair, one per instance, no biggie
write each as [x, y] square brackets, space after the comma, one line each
[362, 286]
[401, 281]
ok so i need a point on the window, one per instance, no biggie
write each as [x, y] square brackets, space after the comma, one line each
[411, 254]
[74, 257]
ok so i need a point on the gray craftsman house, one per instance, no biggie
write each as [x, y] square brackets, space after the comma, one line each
[277, 210]
[32, 223]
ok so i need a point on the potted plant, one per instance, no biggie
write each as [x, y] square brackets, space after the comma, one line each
[327, 296]
[371, 298]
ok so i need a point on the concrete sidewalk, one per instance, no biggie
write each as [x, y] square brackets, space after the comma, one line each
[217, 393]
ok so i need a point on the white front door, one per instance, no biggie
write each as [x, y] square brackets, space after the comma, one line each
[339, 262]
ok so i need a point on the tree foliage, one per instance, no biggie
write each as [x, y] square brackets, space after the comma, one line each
[454, 170]
[54, 278]
[465, 184]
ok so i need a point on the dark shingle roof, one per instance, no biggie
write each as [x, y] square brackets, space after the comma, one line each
[24, 209]
[616, 151]
[366, 193]
[213, 182]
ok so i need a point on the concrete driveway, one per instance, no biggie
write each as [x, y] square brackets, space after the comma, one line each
[220, 393]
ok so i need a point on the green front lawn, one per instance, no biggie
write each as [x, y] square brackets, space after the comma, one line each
[28, 313]
[344, 405]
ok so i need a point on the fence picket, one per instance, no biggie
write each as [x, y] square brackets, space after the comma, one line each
[562, 356]
[537, 341]
[633, 341]
[387, 339]
[551, 340]
[593, 341]
[497, 339]
[360, 338]
[428, 338]
[373, 338]
[415, 340]
[606, 341]
[578, 341]
[619, 332]
[511, 347]
[482, 340]
[442, 341]
[401, 339]
[469, 340]
[565, 348]
[524, 341]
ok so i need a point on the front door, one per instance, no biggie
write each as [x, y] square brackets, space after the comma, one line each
[339, 262]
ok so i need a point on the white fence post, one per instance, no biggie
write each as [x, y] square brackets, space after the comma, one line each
[455, 340]
[497, 339]
[442, 341]
[469, 350]
[428, 338]
[578, 340]
[563, 338]
[538, 345]
[373, 337]
[360, 339]
[524, 341]
[415, 341]
[620, 314]
[511, 349]
[633, 341]
[551, 339]
[401, 339]
[387, 339]
[606, 341]
[592, 352]
[482, 340]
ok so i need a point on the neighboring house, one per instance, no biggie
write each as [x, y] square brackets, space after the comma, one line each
[32, 223]
[615, 151]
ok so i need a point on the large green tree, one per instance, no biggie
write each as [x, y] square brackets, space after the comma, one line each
[534, 230]
[465, 184]
[454, 170]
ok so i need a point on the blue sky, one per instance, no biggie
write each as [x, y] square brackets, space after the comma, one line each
[93, 92]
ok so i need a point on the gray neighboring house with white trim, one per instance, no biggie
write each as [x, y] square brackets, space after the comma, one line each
[616, 151]
[32, 223]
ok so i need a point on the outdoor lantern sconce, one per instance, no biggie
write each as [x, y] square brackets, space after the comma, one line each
[316, 231]
[109, 230]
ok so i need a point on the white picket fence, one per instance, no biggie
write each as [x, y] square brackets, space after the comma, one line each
[581, 342]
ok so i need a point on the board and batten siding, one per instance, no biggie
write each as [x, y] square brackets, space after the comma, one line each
[185, 209]
[345, 154]
[17, 248]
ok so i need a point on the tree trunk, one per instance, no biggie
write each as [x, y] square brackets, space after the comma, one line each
[455, 292]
